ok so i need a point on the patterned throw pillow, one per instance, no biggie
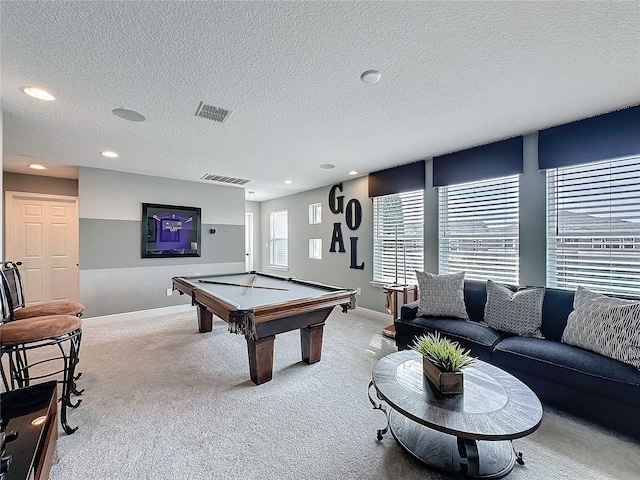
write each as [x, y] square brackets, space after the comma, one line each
[605, 325]
[441, 295]
[518, 312]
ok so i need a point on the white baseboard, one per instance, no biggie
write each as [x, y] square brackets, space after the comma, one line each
[153, 312]
[375, 314]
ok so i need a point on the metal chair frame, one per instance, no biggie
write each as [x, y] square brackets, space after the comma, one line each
[19, 375]
[15, 287]
[19, 368]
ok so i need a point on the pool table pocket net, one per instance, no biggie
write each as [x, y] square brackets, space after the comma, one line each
[243, 325]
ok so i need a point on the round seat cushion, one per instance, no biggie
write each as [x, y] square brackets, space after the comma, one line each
[38, 328]
[52, 308]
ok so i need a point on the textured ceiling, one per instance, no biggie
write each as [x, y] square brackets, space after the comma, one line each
[454, 75]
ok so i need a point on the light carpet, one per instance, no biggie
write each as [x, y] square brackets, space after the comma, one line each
[162, 401]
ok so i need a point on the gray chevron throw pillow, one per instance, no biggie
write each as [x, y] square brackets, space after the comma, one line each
[441, 295]
[518, 312]
[605, 325]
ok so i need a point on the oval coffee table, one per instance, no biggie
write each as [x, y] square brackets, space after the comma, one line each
[468, 433]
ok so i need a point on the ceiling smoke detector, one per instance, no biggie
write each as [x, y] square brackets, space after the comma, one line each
[223, 179]
[212, 113]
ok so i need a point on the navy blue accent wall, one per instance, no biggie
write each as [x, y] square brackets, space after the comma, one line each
[405, 178]
[499, 159]
[604, 137]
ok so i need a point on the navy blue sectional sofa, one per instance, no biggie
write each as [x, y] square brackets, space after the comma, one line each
[578, 381]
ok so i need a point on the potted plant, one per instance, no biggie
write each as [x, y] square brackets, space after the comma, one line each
[442, 362]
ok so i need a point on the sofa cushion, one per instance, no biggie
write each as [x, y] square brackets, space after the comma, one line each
[518, 312]
[475, 299]
[561, 363]
[606, 325]
[441, 295]
[557, 305]
[478, 338]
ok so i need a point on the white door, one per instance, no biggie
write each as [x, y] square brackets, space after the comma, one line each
[248, 240]
[42, 233]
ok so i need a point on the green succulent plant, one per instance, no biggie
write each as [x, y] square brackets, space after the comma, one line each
[445, 354]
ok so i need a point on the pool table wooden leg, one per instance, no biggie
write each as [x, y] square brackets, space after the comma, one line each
[260, 358]
[311, 342]
[205, 319]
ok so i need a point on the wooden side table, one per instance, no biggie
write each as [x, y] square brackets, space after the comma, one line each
[395, 297]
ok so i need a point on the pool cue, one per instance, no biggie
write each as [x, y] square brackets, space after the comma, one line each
[242, 285]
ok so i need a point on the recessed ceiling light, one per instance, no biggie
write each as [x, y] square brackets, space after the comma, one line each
[128, 114]
[327, 166]
[288, 182]
[108, 153]
[353, 172]
[370, 76]
[37, 166]
[38, 93]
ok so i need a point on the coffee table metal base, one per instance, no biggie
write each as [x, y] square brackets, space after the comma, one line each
[476, 459]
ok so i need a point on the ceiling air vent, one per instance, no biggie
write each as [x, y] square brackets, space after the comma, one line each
[212, 113]
[223, 179]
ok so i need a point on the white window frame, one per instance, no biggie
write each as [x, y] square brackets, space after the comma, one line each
[315, 248]
[315, 214]
[593, 226]
[478, 229]
[279, 239]
[398, 237]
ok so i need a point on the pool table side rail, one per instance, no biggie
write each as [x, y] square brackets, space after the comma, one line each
[194, 280]
[221, 308]
[184, 286]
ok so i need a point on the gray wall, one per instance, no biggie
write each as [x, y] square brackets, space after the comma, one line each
[113, 276]
[533, 220]
[334, 267]
[18, 182]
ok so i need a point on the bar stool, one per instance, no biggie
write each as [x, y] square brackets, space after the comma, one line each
[21, 310]
[20, 337]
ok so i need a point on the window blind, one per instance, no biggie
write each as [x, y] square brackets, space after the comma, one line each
[593, 226]
[479, 231]
[398, 239]
[278, 239]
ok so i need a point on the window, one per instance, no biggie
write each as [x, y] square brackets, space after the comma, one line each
[315, 213]
[278, 239]
[593, 226]
[315, 248]
[478, 229]
[398, 239]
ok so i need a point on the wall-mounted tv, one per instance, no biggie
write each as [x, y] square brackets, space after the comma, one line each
[170, 231]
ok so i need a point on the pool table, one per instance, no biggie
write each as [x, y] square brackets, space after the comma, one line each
[259, 306]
